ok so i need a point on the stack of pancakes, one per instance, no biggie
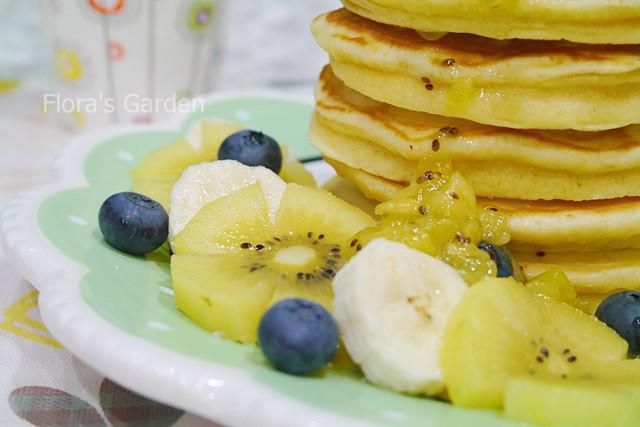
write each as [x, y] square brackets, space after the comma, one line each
[543, 129]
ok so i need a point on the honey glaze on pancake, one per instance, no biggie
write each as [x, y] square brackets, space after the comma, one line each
[389, 115]
[558, 236]
[471, 50]
[521, 207]
[494, 178]
[386, 113]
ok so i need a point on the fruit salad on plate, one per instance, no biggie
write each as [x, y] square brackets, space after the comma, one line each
[418, 295]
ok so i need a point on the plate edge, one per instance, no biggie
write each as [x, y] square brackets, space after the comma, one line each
[83, 331]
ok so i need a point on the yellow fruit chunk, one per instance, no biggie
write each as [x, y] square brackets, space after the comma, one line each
[167, 163]
[294, 172]
[310, 290]
[155, 175]
[219, 293]
[437, 214]
[588, 303]
[214, 133]
[231, 263]
[157, 189]
[347, 191]
[501, 330]
[577, 403]
[305, 210]
[554, 284]
[226, 223]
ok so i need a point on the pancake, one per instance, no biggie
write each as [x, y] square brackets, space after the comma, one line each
[489, 178]
[373, 187]
[539, 226]
[586, 21]
[590, 273]
[410, 135]
[514, 83]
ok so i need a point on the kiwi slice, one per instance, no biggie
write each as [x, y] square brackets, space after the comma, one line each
[501, 330]
[231, 263]
[577, 403]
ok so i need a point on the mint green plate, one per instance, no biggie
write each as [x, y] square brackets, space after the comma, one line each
[117, 312]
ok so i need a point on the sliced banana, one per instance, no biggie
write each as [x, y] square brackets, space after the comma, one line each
[392, 303]
[206, 182]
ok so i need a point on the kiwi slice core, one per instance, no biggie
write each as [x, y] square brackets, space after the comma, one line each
[299, 258]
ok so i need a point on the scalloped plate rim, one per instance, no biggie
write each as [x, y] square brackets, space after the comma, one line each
[214, 391]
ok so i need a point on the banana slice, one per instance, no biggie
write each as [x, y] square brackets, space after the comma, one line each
[392, 303]
[206, 182]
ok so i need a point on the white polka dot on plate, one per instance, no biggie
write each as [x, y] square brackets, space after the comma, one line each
[243, 115]
[125, 156]
[167, 291]
[73, 219]
[159, 326]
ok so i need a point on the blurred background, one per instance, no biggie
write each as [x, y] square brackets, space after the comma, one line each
[198, 46]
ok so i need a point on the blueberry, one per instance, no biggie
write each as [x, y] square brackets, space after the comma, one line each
[621, 312]
[133, 223]
[298, 336]
[501, 256]
[252, 148]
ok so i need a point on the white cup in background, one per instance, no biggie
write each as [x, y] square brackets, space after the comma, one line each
[130, 61]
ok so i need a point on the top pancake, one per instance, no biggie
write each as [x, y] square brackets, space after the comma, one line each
[584, 21]
[514, 83]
